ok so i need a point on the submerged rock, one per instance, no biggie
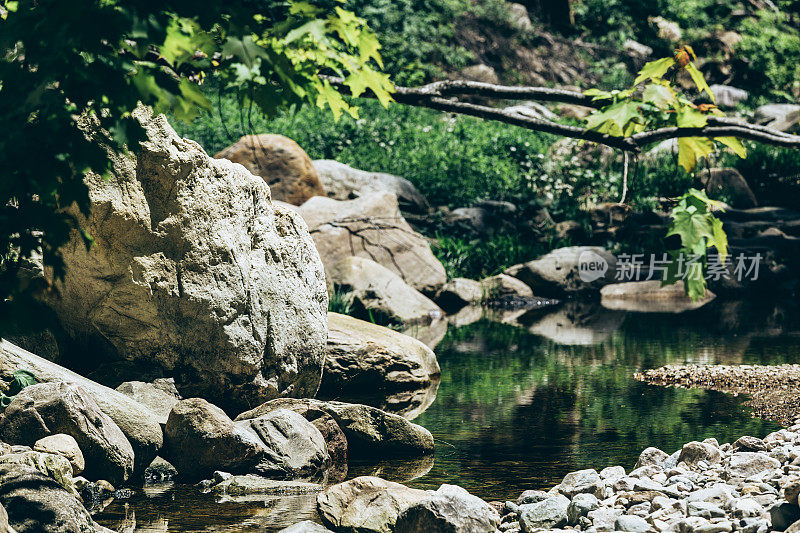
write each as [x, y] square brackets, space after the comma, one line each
[136, 421]
[194, 269]
[250, 484]
[280, 161]
[502, 289]
[365, 357]
[379, 293]
[372, 227]
[343, 182]
[458, 293]
[50, 408]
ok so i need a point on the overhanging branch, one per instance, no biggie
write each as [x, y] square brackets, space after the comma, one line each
[444, 96]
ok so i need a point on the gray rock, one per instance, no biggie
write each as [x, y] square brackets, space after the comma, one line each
[370, 432]
[749, 444]
[782, 117]
[200, 438]
[581, 481]
[373, 228]
[343, 182]
[604, 518]
[152, 396]
[747, 507]
[37, 503]
[52, 465]
[363, 356]
[480, 72]
[502, 288]
[580, 506]
[293, 447]
[612, 472]
[449, 509]
[378, 292]
[4, 525]
[139, 425]
[783, 514]
[727, 96]
[558, 273]
[531, 496]
[632, 523]
[720, 494]
[518, 15]
[694, 452]
[50, 408]
[651, 456]
[366, 504]
[746, 464]
[160, 470]
[306, 526]
[546, 514]
[458, 293]
[706, 510]
[195, 269]
[64, 445]
[729, 183]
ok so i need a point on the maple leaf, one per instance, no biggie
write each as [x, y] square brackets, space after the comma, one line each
[734, 144]
[690, 149]
[700, 81]
[654, 69]
[616, 119]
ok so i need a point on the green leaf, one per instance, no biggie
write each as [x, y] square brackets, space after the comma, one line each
[377, 82]
[734, 144]
[615, 119]
[315, 28]
[690, 149]
[700, 81]
[719, 238]
[662, 96]
[688, 117]
[654, 69]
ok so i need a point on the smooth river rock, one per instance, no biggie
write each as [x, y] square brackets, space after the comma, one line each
[195, 270]
[280, 161]
[450, 508]
[558, 273]
[137, 422]
[51, 408]
[650, 297]
[343, 182]
[370, 432]
[364, 357]
[64, 445]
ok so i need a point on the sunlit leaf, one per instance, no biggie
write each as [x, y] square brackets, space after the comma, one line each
[654, 69]
[700, 81]
[690, 149]
[734, 144]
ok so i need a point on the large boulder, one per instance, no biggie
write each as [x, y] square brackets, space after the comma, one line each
[370, 432]
[195, 270]
[502, 289]
[52, 408]
[650, 297]
[140, 426]
[379, 293]
[282, 164]
[567, 271]
[36, 503]
[372, 227]
[366, 504]
[200, 438]
[450, 508]
[365, 357]
[54, 466]
[294, 447]
[343, 182]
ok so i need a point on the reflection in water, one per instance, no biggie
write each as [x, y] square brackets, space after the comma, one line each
[521, 405]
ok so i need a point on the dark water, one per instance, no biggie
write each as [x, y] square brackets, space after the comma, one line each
[522, 403]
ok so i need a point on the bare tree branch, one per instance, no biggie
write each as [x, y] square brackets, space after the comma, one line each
[443, 96]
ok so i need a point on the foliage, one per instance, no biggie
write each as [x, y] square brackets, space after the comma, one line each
[693, 221]
[464, 257]
[72, 73]
[767, 41]
[340, 301]
[20, 380]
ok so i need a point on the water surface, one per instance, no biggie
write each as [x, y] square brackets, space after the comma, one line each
[525, 398]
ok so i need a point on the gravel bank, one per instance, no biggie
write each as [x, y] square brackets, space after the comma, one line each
[774, 390]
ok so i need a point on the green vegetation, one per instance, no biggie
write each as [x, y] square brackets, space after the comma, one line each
[340, 301]
[71, 74]
[20, 380]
